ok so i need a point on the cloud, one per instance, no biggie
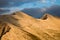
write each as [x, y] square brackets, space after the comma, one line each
[2, 11]
[10, 3]
[21, 7]
[18, 0]
[43, 1]
[17, 5]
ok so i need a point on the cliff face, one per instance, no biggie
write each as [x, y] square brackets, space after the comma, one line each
[20, 26]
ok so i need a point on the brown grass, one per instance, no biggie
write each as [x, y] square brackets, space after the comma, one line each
[25, 27]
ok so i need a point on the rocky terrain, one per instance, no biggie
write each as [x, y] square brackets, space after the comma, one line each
[20, 26]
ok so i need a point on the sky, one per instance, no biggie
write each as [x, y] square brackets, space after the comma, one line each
[10, 6]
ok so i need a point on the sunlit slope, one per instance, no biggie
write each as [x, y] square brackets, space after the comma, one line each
[25, 27]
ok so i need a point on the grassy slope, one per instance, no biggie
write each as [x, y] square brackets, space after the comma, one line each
[24, 27]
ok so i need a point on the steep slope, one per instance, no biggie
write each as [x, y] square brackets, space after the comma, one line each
[25, 27]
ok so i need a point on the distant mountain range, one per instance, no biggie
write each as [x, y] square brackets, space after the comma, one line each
[37, 13]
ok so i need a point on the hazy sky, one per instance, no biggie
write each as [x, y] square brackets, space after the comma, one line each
[9, 6]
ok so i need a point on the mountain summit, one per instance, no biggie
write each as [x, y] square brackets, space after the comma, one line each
[20, 26]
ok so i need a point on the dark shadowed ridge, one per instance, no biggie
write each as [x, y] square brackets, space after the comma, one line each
[54, 10]
[34, 12]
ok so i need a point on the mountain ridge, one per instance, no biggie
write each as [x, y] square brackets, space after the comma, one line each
[25, 27]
